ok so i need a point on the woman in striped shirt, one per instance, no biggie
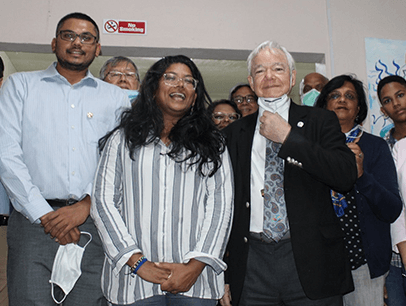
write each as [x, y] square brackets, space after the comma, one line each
[163, 193]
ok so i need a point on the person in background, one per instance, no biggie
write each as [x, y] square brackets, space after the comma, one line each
[392, 96]
[4, 215]
[163, 195]
[1, 71]
[286, 158]
[367, 211]
[123, 72]
[223, 112]
[245, 98]
[310, 88]
[51, 121]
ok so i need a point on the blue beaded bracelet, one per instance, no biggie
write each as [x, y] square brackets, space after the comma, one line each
[137, 265]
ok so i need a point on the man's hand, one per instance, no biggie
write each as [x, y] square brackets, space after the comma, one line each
[226, 299]
[62, 224]
[274, 127]
[182, 277]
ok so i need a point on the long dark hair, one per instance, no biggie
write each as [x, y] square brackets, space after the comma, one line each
[194, 133]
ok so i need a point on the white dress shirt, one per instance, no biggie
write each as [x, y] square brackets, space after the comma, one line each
[281, 106]
[398, 228]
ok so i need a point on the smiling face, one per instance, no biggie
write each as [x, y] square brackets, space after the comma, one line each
[344, 102]
[393, 100]
[270, 74]
[121, 80]
[245, 107]
[222, 114]
[175, 101]
[75, 55]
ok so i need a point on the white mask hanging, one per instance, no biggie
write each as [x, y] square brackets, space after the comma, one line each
[66, 268]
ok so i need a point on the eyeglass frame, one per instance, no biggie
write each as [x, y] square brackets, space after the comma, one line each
[78, 35]
[178, 79]
[127, 75]
[244, 98]
[226, 115]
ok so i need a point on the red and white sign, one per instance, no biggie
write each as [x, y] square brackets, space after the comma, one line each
[116, 26]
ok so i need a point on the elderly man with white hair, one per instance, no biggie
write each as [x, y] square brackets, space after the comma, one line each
[286, 245]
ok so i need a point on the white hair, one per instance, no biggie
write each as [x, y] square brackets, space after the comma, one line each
[271, 45]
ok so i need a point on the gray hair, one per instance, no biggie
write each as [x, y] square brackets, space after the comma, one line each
[271, 45]
[114, 61]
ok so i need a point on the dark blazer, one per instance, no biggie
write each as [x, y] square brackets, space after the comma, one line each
[378, 202]
[316, 160]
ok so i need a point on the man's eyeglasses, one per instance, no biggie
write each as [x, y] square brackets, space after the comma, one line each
[240, 99]
[85, 38]
[116, 75]
[219, 116]
[172, 79]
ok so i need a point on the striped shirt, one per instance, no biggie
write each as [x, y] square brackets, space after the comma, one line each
[164, 209]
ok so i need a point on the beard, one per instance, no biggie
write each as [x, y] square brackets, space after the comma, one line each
[72, 65]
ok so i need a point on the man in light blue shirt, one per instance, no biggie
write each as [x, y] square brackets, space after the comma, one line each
[4, 212]
[51, 122]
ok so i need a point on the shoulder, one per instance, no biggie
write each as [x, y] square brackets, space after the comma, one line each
[243, 123]
[370, 139]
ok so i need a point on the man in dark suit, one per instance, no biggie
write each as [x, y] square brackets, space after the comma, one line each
[307, 265]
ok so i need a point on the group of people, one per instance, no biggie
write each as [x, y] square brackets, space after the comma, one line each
[137, 198]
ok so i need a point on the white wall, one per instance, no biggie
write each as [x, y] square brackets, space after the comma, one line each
[299, 25]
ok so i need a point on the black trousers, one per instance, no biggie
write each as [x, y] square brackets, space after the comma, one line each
[272, 279]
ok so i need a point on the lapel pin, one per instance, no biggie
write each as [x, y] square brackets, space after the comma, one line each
[89, 115]
[300, 124]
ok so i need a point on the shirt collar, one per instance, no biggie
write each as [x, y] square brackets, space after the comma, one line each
[52, 73]
[275, 105]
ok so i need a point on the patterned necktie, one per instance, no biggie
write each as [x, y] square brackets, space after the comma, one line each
[275, 217]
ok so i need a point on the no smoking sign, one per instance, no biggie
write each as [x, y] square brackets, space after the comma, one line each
[117, 26]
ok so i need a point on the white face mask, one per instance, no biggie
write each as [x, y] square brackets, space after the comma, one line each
[309, 98]
[66, 269]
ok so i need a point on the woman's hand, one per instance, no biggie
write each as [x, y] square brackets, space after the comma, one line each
[149, 271]
[359, 157]
[226, 299]
[152, 273]
[182, 277]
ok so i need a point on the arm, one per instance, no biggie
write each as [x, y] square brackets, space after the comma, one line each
[24, 195]
[107, 199]
[378, 182]
[398, 228]
[107, 203]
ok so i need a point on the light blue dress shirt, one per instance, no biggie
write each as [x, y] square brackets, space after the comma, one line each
[49, 136]
[4, 202]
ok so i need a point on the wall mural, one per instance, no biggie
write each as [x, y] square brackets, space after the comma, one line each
[384, 57]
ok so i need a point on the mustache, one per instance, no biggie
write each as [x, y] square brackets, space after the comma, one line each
[72, 50]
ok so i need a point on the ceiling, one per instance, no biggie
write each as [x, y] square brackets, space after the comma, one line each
[219, 75]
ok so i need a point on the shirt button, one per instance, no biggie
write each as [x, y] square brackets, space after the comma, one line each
[72, 127]
[73, 149]
[73, 172]
[245, 239]
[247, 204]
[72, 105]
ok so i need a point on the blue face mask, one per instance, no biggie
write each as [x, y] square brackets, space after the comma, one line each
[132, 94]
[309, 98]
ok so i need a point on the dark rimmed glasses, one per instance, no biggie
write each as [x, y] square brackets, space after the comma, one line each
[85, 38]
